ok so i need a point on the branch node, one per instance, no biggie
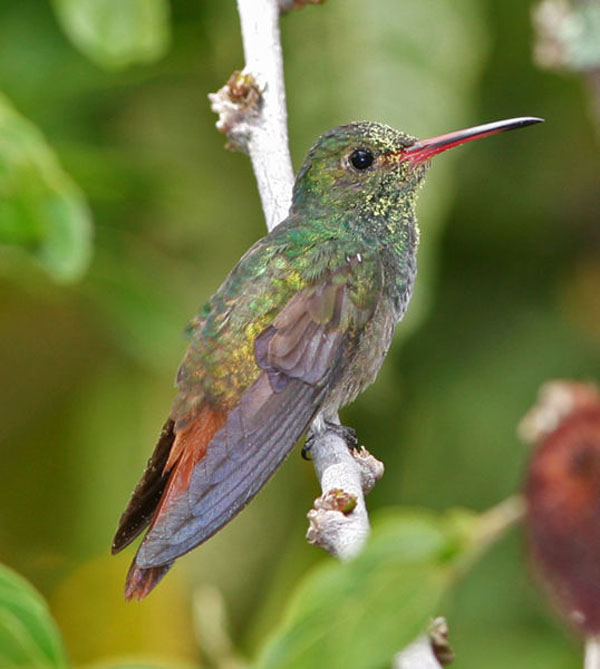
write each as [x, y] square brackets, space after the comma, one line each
[238, 104]
[429, 651]
[371, 469]
[336, 500]
[330, 521]
[440, 644]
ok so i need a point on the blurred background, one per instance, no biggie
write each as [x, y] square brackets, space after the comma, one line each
[91, 323]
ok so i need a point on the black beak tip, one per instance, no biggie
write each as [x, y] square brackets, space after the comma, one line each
[530, 120]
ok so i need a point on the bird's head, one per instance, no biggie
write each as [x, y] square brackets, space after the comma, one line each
[371, 167]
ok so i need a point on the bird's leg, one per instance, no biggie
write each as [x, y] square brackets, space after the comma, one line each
[348, 434]
[308, 444]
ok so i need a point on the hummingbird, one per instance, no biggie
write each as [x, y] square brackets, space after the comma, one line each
[297, 330]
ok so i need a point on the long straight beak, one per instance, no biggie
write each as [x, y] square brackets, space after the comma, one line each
[427, 148]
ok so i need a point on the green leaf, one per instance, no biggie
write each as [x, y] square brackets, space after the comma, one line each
[41, 208]
[29, 636]
[359, 614]
[116, 33]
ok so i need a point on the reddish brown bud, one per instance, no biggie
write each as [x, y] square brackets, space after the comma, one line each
[336, 500]
[237, 103]
[242, 90]
[563, 498]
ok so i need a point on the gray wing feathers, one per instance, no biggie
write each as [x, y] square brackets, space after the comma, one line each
[300, 355]
[303, 341]
[259, 433]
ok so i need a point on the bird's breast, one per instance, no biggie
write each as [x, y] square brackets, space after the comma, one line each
[372, 344]
[366, 357]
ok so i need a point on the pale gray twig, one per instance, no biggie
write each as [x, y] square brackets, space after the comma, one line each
[339, 522]
[252, 110]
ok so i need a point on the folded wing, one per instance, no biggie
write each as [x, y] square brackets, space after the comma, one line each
[299, 357]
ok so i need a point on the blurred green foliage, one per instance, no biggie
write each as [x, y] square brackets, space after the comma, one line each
[28, 635]
[116, 33]
[41, 209]
[376, 604]
[506, 298]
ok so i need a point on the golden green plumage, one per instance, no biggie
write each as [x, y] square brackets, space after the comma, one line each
[329, 222]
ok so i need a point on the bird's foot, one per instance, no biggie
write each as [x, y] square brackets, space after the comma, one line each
[348, 434]
[308, 444]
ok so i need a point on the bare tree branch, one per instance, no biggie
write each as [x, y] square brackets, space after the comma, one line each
[252, 113]
[339, 522]
[258, 126]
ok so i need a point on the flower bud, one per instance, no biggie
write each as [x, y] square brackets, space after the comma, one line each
[562, 491]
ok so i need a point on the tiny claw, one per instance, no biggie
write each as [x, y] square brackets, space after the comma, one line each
[346, 433]
[308, 444]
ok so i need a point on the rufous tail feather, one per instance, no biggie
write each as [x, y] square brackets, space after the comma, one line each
[189, 447]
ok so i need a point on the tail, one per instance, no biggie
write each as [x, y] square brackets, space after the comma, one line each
[141, 582]
[204, 495]
[203, 475]
[216, 472]
[167, 473]
[147, 494]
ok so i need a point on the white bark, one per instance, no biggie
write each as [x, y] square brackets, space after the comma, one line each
[429, 651]
[592, 653]
[339, 521]
[252, 112]
[267, 141]
[419, 655]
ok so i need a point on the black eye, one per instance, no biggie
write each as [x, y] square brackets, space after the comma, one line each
[361, 159]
